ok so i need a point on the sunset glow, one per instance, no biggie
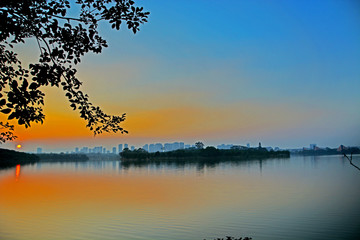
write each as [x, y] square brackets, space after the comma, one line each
[131, 119]
[272, 71]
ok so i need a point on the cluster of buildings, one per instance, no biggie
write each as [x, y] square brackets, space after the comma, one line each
[159, 147]
[314, 147]
[166, 147]
[153, 147]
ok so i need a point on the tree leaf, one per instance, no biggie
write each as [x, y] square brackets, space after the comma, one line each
[6, 110]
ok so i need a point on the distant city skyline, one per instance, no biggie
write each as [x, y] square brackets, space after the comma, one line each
[164, 147]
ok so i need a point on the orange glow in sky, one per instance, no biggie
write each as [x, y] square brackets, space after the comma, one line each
[252, 81]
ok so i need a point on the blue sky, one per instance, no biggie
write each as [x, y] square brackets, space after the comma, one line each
[305, 51]
[286, 73]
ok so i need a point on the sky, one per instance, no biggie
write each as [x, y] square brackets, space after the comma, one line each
[283, 73]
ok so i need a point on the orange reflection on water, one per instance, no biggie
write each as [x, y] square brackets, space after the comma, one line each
[17, 172]
[48, 192]
[131, 199]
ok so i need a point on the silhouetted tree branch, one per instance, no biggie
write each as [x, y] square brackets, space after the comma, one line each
[62, 41]
[6, 133]
[350, 160]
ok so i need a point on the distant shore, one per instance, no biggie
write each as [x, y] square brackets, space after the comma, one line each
[210, 154]
[328, 151]
[11, 158]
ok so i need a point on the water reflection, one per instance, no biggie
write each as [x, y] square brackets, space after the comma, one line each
[118, 167]
[297, 198]
[200, 165]
[17, 172]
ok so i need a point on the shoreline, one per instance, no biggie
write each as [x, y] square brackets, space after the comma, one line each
[11, 158]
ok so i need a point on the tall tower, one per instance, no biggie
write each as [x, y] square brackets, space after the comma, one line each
[120, 148]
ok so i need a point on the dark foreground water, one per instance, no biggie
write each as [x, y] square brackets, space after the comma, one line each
[296, 198]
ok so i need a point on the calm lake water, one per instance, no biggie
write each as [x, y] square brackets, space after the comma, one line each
[296, 198]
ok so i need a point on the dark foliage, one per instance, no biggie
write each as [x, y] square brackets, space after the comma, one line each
[6, 132]
[199, 145]
[10, 158]
[209, 154]
[62, 40]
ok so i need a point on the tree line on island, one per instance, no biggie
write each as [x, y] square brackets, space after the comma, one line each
[201, 153]
[11, 158]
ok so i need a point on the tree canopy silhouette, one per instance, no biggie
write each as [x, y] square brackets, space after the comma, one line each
[199, 145]
[62, 39]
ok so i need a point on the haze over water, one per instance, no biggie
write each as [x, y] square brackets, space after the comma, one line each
[296, 198]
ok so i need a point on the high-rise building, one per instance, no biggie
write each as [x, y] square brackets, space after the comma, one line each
[168, 147]
[120, 148]
[176, 146]
[84, 150]
[98, 149]
[146, 147]
[224, 146]
[158, 147]
[114, 150]
[312, 146]
[132, 148]
[173, 146]
[39, 150]
[77, 150]
[152, 148]
[126, 146]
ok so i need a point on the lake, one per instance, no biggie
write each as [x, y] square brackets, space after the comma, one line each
[295, 198]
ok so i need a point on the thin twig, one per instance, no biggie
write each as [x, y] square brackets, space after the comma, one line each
[66, 18]
[350, 160]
